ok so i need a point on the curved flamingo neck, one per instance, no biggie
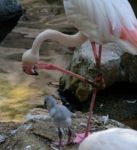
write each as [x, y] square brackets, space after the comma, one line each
[64, 39]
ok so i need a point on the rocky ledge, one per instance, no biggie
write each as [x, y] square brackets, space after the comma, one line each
[38, 131]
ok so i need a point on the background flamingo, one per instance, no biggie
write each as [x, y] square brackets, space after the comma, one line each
[99, 21]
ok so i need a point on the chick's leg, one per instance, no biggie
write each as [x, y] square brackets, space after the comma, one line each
[60, 137]
[69, 136]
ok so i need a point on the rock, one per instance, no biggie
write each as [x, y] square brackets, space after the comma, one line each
[115, 66]
[37, 114]
[54, 1]
[2, 139]
[40, 134]
[10, 12]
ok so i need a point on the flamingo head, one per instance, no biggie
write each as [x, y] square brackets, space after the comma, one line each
[29, 62]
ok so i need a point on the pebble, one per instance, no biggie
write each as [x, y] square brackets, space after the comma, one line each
[2, 139]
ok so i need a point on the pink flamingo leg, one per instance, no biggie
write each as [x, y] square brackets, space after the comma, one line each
[81, 136]
[97, 56]
[60, 69]
[100, 53]
[91, 111]
[55, 67]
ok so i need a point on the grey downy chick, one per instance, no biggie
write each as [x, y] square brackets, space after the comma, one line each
[61, 117]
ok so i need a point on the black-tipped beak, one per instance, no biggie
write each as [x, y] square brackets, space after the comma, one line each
[30, 70]
[34, 70]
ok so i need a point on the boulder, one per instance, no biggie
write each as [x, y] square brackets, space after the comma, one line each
[54, 1]
[116, 66]
[10, 12]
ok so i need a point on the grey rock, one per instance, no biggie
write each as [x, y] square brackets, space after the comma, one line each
[54, 1]
[115, 66]
[9, 7]
[2, 139]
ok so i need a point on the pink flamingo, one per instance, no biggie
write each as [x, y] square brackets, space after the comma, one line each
[100, 21]
[111, 139]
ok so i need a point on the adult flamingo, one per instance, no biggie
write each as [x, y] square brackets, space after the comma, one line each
[111, 139]
[100, 21]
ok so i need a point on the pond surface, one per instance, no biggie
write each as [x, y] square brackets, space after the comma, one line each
[14, 101]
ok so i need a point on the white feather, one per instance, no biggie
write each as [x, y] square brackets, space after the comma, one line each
[94, 18]
[32, 56]
[111, 139]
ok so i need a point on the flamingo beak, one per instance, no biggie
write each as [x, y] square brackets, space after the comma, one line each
[30, 69]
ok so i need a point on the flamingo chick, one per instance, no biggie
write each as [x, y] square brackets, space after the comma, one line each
[61, 117]
[111, 139]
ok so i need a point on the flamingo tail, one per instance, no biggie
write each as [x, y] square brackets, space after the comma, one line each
[128, 38]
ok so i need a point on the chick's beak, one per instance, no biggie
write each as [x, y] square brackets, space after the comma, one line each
[30, 69]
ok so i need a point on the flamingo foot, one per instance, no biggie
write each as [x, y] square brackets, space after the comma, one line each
[79, 137]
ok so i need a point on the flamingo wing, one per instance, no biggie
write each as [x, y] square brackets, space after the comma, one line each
[103, 20]
[123, 22]
[111, 139]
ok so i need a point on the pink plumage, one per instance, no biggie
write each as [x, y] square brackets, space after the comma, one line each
[104, 21]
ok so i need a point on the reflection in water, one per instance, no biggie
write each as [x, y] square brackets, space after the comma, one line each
[14, 101]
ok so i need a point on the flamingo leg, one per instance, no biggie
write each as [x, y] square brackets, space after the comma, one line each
[59, 143]
[97, 56]
[93, 44]
[60, 69]
[62, 143]
[69, 136]
[93, 99]
[99, 79]
[100, 53]
[60, 137]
